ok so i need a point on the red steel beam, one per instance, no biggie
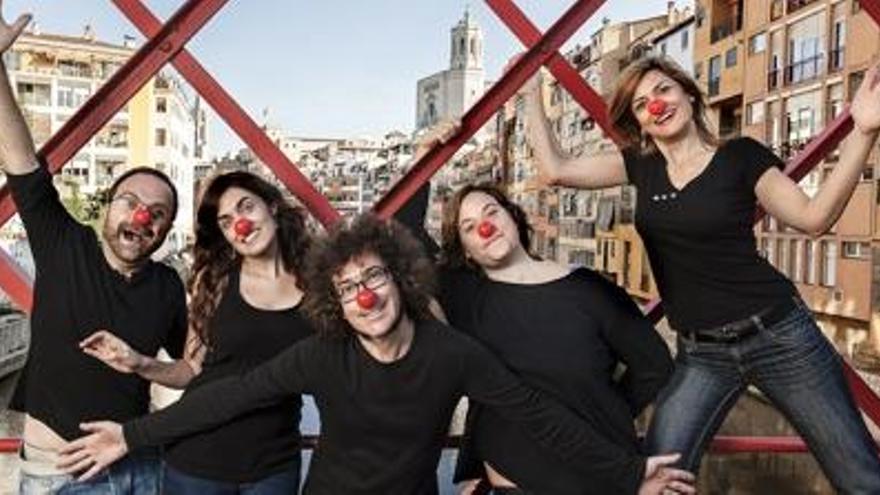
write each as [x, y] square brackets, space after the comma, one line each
[108, 100]
[15, 282]
[488, 105]
[720, 445]
[561, 69]
[235, 116]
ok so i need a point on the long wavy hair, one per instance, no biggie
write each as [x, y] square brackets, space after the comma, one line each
[398, 249]
[214, 256]
[454, 255]
[620, 109]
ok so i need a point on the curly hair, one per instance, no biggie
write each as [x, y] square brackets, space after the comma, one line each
[454, 255]
[402, 254]
[215, 258]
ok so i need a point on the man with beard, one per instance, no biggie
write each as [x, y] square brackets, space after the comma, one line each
[83, 285]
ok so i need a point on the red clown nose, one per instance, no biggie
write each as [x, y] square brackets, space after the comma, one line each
[486, 229]
[366, 299]
[141, 217]
[656, 107]
[243, 227]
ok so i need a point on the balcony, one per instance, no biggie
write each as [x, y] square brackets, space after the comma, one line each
[795, 5]
[79, 70]
[804, 70]
[723, 30]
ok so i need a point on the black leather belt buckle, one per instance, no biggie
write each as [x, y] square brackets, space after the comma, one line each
[736, 331]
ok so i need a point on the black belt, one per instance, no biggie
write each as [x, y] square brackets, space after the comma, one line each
[738, 330]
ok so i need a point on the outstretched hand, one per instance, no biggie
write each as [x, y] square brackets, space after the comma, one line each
[88, 455]
[865, 106]
[439, 133]
[112, 351]
[661, 478]
[10, 32]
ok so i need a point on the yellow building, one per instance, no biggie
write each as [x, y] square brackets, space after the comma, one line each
[162, 126]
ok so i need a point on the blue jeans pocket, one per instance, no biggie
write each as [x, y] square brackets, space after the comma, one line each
[798, 328]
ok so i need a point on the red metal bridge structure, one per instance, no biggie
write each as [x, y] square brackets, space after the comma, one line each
[166, 43]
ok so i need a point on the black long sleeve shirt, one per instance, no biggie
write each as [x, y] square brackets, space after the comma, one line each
[565, 338]
[383, 424]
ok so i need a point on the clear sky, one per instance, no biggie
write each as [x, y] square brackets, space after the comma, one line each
[327, 67]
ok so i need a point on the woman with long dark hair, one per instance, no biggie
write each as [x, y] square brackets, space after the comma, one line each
[245, 294]
[739, 321]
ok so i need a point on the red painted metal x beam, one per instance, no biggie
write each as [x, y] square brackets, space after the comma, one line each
[100, 108]
[235, 116]
[562, 70]
[488, 105]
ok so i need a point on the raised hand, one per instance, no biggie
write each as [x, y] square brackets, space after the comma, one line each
[661, 479]
[113, 351]
[439, 133]
[865, 106]
[10, 32]
[88, 455]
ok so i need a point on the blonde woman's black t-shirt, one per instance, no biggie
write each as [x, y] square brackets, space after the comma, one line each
[700, 238]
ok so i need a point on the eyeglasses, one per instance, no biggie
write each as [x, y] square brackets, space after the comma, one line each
[131, 202]
[372, 278]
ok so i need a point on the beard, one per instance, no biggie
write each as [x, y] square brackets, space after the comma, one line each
[130, 244]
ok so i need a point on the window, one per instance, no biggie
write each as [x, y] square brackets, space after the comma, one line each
[714, 76]
[782, 253]
[855, 80]
[35, 93]
[829, 262]
[771, 252]
[835, 101]
[764, 248]
[730, 57]
[755, 113]
[758, 43]
[161, 137]
[856, 250]
[794, 260]
[71, 97]
[663, 48]
[161, 105]
[685, 39]
[809, 265]
[838, 44]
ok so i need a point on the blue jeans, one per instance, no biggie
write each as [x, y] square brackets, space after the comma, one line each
[798, 370]
[136, 474]
[286, 482]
